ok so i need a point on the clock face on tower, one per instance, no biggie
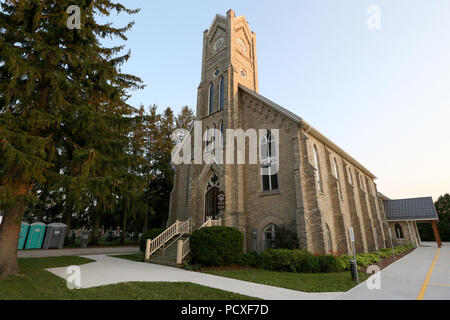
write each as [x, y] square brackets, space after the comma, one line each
[242, 45]
[218, 44]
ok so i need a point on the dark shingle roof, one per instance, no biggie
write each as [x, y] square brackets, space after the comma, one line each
[410, 209]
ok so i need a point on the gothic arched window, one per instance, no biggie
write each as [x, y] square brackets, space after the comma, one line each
[316, 163]
[349, 173]
[214, 137]
[399, 231]
[269, 165]
[207, 136]
[222, 134]
[211, 98]
[336, 174]
[269, 236]
[221, 93]
[361, 184]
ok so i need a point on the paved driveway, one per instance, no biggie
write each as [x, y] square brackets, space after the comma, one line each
[422, 274]
[75, 252]
[108, 270]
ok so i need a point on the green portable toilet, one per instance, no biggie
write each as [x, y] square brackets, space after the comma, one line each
[23, 235]
[36, 235]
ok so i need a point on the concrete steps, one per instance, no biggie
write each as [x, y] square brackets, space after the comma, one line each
[167, 255]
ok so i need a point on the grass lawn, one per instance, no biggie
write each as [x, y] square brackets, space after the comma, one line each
[139, 257]
[40, 284]
[308, 282]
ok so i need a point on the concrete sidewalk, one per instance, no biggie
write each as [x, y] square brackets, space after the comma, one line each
[404, 279]
[76, 252]
[108, 270]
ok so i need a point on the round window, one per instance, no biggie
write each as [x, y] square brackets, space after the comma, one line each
[218, 44]
[216, 73]
[243, 73]
[241, 44]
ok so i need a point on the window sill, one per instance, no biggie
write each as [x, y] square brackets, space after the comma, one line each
[269, 193]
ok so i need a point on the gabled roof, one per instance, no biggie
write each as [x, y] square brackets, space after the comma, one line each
[410, 209]
[310, 129]
[272, 104]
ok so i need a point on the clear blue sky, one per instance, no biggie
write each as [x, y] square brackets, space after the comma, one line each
[382, 95]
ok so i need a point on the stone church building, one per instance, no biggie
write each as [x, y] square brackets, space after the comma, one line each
[318, 188]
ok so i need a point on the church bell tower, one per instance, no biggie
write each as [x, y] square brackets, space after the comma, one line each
[229, 59]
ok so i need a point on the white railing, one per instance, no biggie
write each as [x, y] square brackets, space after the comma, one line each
[183, 247]
[182, 250]
[211, 223]
[176, 228]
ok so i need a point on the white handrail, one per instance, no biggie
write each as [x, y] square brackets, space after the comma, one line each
[166, 235]
[183, 248]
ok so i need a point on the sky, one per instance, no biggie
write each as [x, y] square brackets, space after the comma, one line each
[382, 95]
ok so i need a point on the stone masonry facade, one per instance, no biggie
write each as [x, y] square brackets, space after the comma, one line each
[322, 213]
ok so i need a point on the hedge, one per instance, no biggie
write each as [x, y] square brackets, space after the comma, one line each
[305, 262]
[150, 234]
[297, 261]
[366, 259]
[216, 246]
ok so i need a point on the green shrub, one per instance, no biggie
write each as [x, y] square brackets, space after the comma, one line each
[216, 246]
[366, 259]
[278, 260]
[298, 261]
[286, 236]
[327, 263]
[252, 259]
[150, 234]
[306, 262]
[343, 262]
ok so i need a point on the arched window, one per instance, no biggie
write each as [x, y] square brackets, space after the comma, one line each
[211, 98]
[399, 231]
[316, 163]
[269, 236]
[222, 133]
[214, 137]
[221, 93]
[328, 237]
[349, 173]
[336, 174]
[207, 137]
[361, 184]
[269, 165]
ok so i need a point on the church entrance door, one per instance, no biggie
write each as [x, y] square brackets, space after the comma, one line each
[211, 203]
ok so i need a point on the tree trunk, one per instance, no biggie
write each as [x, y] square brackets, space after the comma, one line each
[95, 232]
[124, 227]
[9, 237]
[68, 221]
[145, 223]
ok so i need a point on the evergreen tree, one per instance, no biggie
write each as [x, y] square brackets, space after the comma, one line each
[64, 119]
[442, 206]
